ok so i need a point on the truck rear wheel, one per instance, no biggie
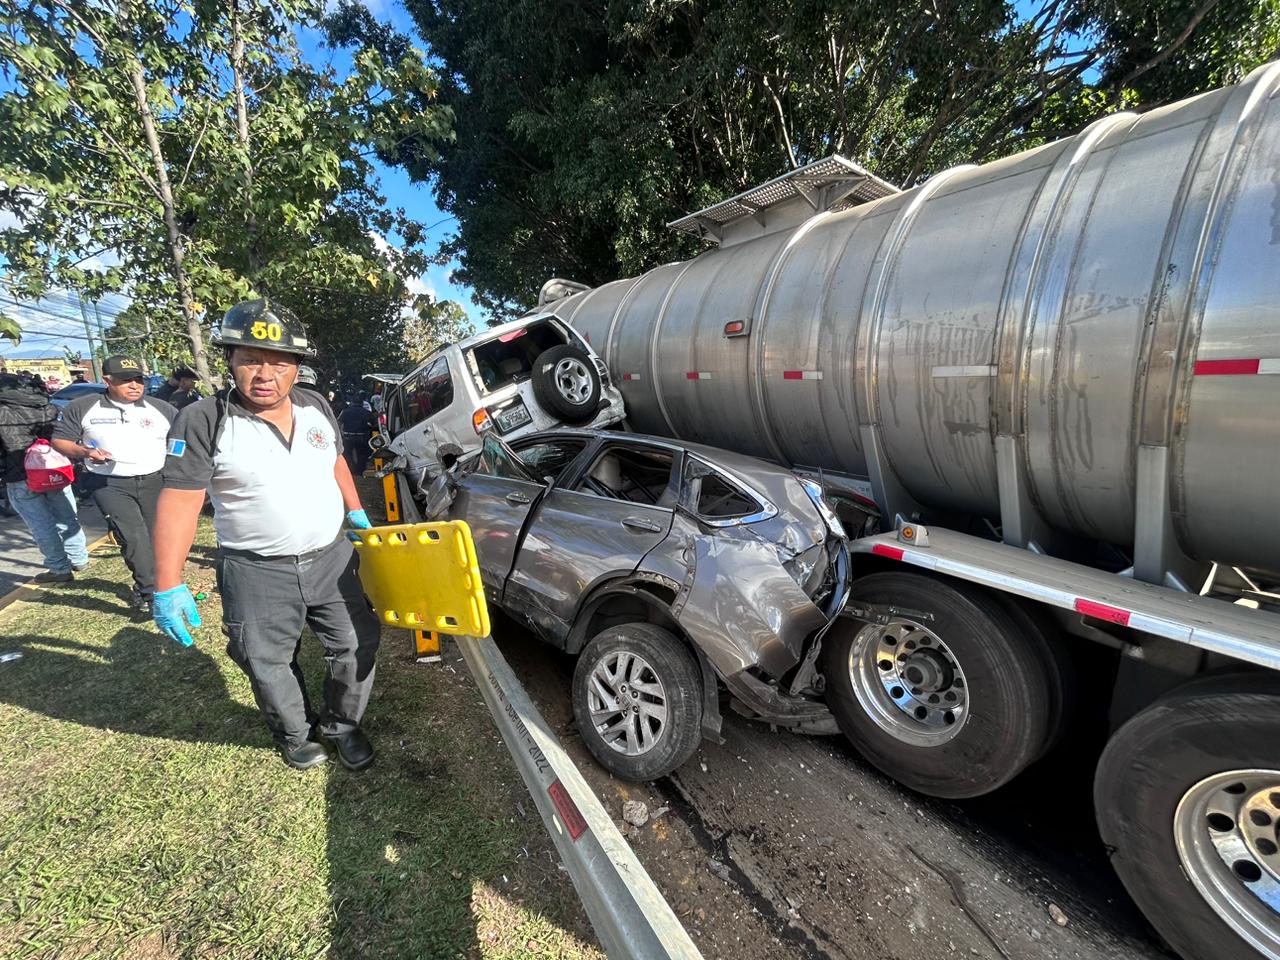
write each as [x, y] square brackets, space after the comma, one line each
[637, 698]
[955, 706]
[1187, 797]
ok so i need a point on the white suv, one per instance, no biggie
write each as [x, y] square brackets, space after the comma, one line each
[527, 375]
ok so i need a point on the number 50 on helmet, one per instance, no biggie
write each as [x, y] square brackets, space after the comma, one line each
[257, 323]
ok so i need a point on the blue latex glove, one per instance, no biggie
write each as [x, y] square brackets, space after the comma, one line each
[173, 610]
[359, 520]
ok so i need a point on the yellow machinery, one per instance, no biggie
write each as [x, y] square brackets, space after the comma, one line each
[423, 576]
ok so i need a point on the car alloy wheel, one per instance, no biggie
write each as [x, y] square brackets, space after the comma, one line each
[573, 380]
[628, 703]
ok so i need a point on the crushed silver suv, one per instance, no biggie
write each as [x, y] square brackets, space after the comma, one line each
[514, 379]
[669, 569]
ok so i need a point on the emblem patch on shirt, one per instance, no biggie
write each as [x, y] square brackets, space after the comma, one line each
[176, 447]
[318, 438]
[146, 423]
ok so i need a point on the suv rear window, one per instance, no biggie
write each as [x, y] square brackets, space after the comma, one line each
[509, 358]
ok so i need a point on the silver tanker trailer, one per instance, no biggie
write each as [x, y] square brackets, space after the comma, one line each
[1047, 392]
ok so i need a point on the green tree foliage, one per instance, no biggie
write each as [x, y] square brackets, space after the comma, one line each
[10, 330]
[432, 324]
[266, 161]
[583, 128]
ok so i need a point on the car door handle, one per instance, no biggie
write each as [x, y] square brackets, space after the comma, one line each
[517, 498]
[640, 523]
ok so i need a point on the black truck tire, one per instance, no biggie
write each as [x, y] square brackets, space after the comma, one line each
[981, 710]
[668, 677]
[1187, 797]
[567, 383]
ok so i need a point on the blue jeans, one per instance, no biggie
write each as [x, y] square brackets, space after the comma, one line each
[51, 518]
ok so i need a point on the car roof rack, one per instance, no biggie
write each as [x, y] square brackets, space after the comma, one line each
[833, 183]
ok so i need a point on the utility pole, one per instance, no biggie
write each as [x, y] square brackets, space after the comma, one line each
[88, 335]
[102, 333]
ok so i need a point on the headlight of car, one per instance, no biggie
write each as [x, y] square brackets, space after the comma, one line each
[829, 517]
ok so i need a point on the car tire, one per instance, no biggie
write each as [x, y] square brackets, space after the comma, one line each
[974, 711]
[567, 384]
[1190, 773]
[651, 655]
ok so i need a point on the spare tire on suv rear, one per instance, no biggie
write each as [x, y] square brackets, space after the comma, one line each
[566, 383]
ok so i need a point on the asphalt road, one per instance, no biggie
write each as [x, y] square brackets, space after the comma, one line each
[20, 559]
[774, 845]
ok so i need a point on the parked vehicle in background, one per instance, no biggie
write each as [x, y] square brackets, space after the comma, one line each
[73, 391]
[514, 379]
[1050, 373]
[669, 569]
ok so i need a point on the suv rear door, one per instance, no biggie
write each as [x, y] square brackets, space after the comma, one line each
[598, 524]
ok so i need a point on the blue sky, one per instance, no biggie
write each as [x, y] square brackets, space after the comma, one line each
[400, 191]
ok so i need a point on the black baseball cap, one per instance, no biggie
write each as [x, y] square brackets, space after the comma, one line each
[121, 366]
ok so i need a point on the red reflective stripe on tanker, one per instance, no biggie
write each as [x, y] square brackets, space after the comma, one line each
[697, 375]
[1102, 611]
[631, 376]
[570, 815]
[1242, 367]
[801, 374]
[884, 550]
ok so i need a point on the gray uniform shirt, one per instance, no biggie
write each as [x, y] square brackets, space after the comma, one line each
[271, 496]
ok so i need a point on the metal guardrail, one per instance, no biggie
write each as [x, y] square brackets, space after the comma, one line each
[630, 916]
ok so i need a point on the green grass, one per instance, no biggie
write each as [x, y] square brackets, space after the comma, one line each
[144, 813]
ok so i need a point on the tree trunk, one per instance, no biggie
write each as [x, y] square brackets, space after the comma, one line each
[242, 134]
[177, 247]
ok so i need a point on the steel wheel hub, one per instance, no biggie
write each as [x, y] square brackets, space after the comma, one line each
[628, 703]
[1227, 828]
[909, 682]
[573, 380]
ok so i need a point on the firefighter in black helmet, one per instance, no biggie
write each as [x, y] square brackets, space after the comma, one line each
[271, 458]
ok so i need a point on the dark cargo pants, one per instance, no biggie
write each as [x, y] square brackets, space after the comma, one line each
[129, 504]
[266, 601]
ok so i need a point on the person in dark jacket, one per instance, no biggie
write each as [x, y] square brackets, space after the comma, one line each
[180, 389]
[358, 424]
[25, 416]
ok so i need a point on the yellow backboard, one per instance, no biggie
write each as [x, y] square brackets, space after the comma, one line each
[423, 576]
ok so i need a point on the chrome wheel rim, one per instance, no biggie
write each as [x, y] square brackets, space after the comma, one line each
[909, 682]
[573, 380]
[1227, 828]
[628, 703]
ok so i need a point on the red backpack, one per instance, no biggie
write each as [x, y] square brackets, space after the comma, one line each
[47, 469]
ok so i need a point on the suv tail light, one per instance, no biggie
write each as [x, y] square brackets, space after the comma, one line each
[480, 421]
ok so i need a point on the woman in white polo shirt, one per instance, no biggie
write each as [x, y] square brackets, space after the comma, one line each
[270, 457]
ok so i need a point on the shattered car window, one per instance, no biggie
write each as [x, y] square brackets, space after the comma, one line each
[498, 460]
[710, 494]
[629, 473]
[548, 458]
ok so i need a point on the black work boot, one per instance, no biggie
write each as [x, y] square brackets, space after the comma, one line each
[309, 755]
[354, 749]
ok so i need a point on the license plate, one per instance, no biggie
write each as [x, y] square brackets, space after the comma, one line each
[513, 418]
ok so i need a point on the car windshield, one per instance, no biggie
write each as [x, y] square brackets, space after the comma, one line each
[509, 358]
